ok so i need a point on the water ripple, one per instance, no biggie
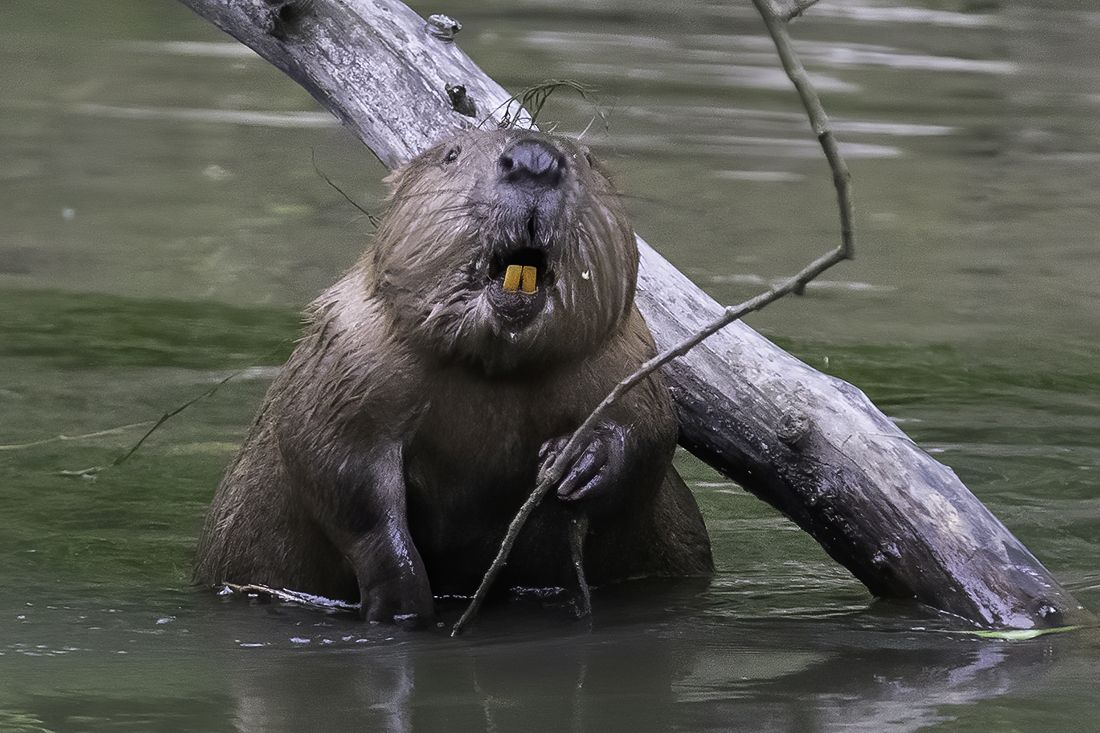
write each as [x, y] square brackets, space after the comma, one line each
[921, 16]
[219, 116]
[208, 49]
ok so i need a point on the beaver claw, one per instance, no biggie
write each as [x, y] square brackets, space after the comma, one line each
[596, 471]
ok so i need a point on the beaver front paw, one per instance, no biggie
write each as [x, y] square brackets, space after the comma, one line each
[596, 473]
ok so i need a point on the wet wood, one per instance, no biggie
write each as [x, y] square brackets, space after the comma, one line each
[808, 444]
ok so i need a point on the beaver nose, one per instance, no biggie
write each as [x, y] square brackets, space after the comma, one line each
[532, 162]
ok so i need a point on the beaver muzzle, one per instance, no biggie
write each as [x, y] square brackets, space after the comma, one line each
[531, 175]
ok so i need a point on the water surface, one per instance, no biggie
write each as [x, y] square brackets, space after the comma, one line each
[163, 224]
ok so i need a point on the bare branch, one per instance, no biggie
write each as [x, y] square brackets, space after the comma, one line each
[306, 600]
[777, 29]
[785, 9]
[91, 472]
[374, 220]
[66, 438]
[578, 530]
[842, 180]
[553, 473]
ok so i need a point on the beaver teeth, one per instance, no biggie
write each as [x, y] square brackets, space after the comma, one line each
[521, 277]
[530, 280]
[512, 277]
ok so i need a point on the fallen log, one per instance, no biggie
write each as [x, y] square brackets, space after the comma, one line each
[810, 445]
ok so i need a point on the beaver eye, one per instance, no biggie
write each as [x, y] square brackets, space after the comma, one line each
[452, 154]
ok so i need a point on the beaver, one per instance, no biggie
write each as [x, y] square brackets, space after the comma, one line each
[492, 313]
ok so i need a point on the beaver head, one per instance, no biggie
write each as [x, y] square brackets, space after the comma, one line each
[504, 248]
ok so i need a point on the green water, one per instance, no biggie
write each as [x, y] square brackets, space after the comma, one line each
[154, 239]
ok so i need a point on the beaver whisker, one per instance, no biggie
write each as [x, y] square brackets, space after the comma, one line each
[456, 212]
[442, 226]
[429, 191]
[431, 196]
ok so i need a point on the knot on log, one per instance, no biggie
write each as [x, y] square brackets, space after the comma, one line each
[882, 557]
[443, 27]
[1049, 614]
[288, 16]
[461, 102]
[793, 428]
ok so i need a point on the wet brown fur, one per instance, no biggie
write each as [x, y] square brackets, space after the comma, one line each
[404, 432]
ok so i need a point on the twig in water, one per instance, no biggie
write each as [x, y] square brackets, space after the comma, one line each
[307, 600]
[65, 438]
[91, 472]
[374, 220]
[578, 529]
[776, 19]
[789, 9]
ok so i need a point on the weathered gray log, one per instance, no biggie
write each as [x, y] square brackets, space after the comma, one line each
[810, 445]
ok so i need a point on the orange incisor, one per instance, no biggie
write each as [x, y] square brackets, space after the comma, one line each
[530, 279]
[511, 278]
[523, 277]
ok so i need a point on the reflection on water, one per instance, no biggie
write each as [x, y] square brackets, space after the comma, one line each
[163, 224]
[272, 668]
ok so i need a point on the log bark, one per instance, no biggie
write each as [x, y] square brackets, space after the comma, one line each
[810, 445]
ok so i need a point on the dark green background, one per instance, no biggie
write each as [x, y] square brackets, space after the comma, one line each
[153, 241]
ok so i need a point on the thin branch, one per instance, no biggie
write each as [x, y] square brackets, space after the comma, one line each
[578, 530]
[792, 64]
[290, 596]
[374, 220]
[65, 438]
[171, 414]
[91, 472]
[787, 9]
[551, 474]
